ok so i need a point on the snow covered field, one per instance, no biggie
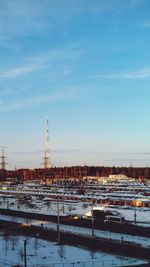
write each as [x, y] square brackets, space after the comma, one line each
[43, 199]
[36, 205]
[80, 208]
[142, 241]
[44, 252]
[40, 253]
[142, 214]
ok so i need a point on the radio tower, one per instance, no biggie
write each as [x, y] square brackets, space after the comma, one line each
[3, 162]
[47, 161]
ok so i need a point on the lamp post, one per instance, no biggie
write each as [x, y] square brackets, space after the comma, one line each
[25, 252]
[7, 203]
[92, 215]
[13, 243]
[58, 223]
[135, 215]
[134, 207]
[63, 204]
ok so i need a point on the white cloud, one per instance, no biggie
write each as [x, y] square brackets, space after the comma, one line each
[32, 17]
[13, 73]
[67, 72]
[55, 63]
[146, 25]
[140, 74]
[34, 101]
[50, 59]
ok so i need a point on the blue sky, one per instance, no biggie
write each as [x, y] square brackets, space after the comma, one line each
[84, 64]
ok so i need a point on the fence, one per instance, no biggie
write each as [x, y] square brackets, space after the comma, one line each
[93, 263]
[100, 263]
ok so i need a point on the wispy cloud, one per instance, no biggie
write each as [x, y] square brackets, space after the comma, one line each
[82, 151]
[50, 59]
[57, 151]
[128, 156]
[140, 74]
[30, 17]
[55, 63]
[13, 73]
[146, 153]
[146, 25]
[34, 101]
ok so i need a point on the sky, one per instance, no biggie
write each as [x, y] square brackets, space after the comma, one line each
[86, 66]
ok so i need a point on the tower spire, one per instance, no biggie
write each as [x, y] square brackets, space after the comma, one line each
[47, 161]
[3, 162]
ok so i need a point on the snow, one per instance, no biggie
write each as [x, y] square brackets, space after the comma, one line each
[41, 252]
[142, 215]
[45, 252]
[80, 208]
[138, 240]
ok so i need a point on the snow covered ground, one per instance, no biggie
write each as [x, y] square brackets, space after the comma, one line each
[45, 252]
[142, 241]
[40, 252]
[81, 208]
[142, 214]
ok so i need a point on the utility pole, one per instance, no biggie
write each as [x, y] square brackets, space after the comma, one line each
[25, 252]
[135, 215]
[134, 207]
[7, 203]
[63, 204]
[92, 215]
[13, 242]
[58, 223]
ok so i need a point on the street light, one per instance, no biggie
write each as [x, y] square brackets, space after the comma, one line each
[63, 204]
[13, 243]
[134, 206]
[92, 215]
[25, 251]
[7, 203]
[135, 214]
[58, 223]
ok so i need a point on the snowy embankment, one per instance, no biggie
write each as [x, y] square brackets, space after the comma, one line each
[138, 240]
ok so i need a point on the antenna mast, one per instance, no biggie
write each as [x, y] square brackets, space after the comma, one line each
[47, 161]
[3, 162]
